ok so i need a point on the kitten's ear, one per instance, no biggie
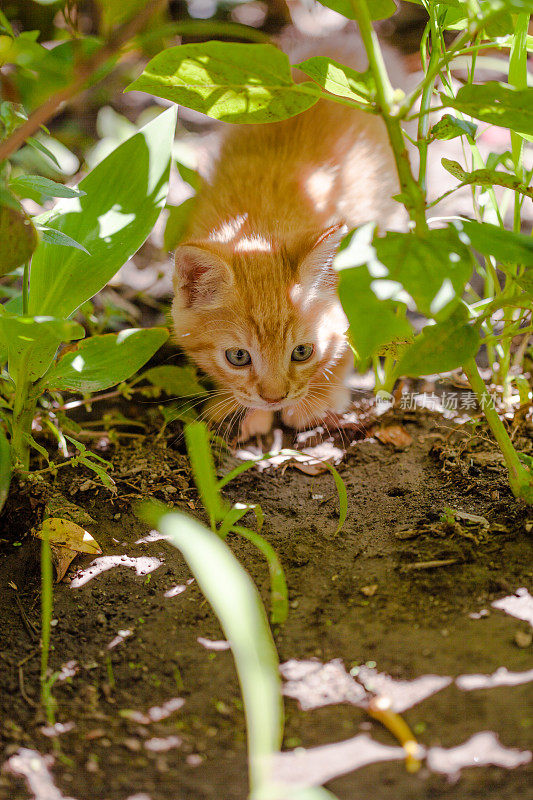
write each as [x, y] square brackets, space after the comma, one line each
[316, 272]
[201, 276]
[316, 268]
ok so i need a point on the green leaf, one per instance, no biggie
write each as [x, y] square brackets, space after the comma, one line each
[338, 79]
[38, 145]
[103, 361]
[450, 127]
[486, 177]
[124, 196]
[176, 381]
[5, 468]
[373, 322]
[203, 470]
[496, 103]
[189, 175]
[35, 187]
[18, 238]
[228, 81]
[379, 9]
[433, 268]
[505, 246]
[33, 341]
[439, 348]
[51, 236]
[236, 602]
[176, 224]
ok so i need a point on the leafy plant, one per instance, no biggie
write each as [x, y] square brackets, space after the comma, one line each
[428, 269]
[92, 232]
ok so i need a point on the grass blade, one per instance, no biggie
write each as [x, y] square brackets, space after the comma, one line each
[203, 469]
[279, 597]
[237, 604]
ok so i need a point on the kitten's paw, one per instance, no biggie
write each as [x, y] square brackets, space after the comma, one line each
[257, 422]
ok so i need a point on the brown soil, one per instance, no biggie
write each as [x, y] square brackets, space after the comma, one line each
[415, 622]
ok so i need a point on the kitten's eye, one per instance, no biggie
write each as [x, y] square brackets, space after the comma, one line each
[238, 356]
[302, 352]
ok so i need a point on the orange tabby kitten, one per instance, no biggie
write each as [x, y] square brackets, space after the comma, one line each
[256, 302]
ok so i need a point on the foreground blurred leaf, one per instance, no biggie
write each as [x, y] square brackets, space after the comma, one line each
[33, 341]
[237, 604]
[18, 238]
[103, 361]
[228, 81]
[176, 381]
[176, 224]
[379, 9]
[496, 103]
[124, 196]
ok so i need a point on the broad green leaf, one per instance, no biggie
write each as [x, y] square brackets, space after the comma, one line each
[103, 361]
[18, 238]
[176, 224]
[450, 127]
[486, 177]
[5, 468]
[33, 341]
[379, 9]
[505, 246]
[51, 236]
[236, 602]
[189, 175]
[124, 196]
[228, 81]
[176, 381]
[35, 187]
[496, 103]
[439, 348]
[373, 322]
[433, 268]
[338, 79]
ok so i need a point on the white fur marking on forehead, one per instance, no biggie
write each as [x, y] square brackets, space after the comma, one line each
[229, 229]
[251, 243]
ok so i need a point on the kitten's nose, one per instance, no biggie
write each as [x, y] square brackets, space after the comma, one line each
[273, 400]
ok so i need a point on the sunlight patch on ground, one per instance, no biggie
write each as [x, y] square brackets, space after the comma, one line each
[118, 639]
[156, 713]
[519, 605]
[213, 644]
[502, 677]
[482, 749]
[178, 589]
[141, 564]
[317, 765]
[162, 745]
[315, 685]
[34, 769]
[153, 536]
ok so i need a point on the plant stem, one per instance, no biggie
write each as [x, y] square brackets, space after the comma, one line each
[82, 73]
[23, 413]
[520, 479]
[413, 196]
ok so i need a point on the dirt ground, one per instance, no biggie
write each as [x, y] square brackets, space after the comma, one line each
[148, 701]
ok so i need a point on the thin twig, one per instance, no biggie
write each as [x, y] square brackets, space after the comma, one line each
[82, 74]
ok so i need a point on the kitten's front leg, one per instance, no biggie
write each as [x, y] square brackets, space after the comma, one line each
[257, 422]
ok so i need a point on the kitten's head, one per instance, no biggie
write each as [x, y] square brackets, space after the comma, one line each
[263, 320]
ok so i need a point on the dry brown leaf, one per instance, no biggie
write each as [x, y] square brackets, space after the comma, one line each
[395, 435]
[308, 467]
[66, 540]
